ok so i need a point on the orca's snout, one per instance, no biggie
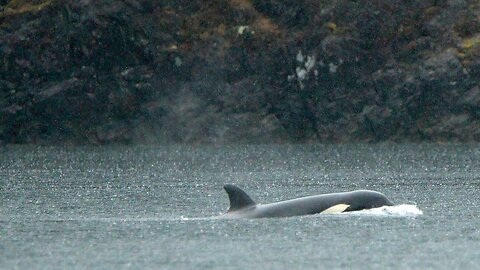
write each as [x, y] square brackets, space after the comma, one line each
[389, 203]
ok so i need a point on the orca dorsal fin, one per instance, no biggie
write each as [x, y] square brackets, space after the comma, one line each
[238, 198]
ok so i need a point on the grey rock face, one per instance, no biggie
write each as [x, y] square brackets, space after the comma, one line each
[261, 71]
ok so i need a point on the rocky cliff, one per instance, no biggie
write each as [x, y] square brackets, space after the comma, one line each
[254, 71]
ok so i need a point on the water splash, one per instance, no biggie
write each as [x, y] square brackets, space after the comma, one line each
[402, 210]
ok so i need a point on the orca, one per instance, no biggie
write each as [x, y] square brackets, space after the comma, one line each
[242, 206]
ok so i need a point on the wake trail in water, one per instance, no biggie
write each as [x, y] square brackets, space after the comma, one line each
[402, 210]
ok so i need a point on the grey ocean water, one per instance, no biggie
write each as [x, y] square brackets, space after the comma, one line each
[144, 207]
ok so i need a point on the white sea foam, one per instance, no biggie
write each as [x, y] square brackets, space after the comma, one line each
[402, 210]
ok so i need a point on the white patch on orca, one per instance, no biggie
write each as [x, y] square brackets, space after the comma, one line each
[338, 208]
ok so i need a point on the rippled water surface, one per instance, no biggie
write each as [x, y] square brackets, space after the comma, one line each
[147, 207]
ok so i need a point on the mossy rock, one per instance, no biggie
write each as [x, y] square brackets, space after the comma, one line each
[15, 7]
[467, 26]
[470, 47]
